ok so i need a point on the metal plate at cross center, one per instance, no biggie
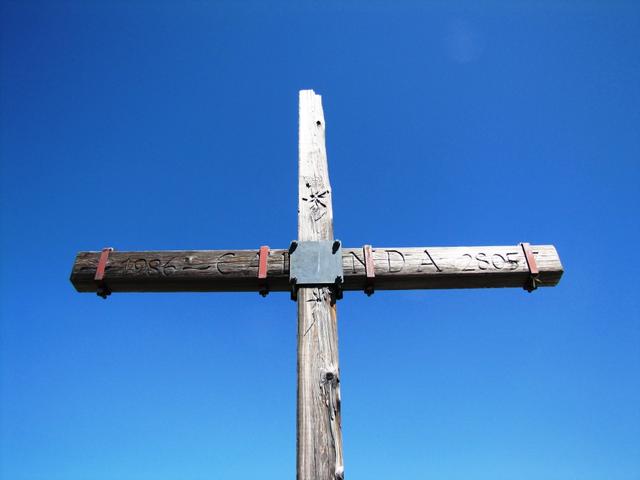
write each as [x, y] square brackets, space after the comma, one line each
[315, 263]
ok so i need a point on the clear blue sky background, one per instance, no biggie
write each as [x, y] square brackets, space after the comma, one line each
[173, 125]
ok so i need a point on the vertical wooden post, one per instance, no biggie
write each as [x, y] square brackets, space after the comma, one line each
[319, 435]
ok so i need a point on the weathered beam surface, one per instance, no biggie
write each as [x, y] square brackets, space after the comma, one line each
[395, 268]
[319, 433]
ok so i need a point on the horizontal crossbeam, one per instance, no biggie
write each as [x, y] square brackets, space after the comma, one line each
[394, 269]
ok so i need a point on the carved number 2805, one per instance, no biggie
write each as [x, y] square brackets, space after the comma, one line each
[496, 261]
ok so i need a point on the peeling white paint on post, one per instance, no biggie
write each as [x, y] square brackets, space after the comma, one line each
[319, 434]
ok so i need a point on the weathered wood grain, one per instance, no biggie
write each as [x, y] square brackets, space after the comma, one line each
[395, 268]
[319, 431]
[319, 436]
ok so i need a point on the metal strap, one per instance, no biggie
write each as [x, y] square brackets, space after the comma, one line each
[369, 268]
[263, 256]
[532, 281]
[103, 290]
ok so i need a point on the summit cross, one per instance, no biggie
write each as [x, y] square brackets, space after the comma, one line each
[316, 269]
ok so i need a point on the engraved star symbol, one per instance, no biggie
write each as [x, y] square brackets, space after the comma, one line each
[319, 295]
[317, 200]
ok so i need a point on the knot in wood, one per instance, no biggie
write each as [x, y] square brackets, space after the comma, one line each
[330, 377]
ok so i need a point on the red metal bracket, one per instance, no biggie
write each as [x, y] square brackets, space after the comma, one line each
[532, 281]
[103, 290]
[369, 268]
[263, 256]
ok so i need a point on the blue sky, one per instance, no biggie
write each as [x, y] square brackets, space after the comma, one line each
[173, 125]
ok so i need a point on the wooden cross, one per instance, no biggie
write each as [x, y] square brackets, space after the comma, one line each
[319, 437]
